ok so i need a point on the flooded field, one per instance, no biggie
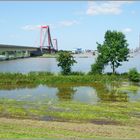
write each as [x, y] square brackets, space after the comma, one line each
[95, 102]
[91, 94]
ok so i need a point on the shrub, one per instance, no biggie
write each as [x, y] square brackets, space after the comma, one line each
[98, 67]
[77, 73]
[133, 75]
[65, 61]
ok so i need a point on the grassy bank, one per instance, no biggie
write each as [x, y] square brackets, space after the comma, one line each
[49, 78]
[69, 120]
[14, 128]
[49, 56]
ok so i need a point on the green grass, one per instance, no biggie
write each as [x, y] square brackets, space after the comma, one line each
[14, 128]
[49, 56]
[130, 88]
[107, 120]
[110, 113]
[50, 78]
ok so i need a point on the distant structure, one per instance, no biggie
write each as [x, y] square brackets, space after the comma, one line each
[77, 50]
[137, 49]
[85, 52]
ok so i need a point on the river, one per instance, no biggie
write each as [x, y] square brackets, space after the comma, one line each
[50, 64]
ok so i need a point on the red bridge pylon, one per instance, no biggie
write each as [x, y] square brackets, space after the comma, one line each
[46, 41]
[55, 44]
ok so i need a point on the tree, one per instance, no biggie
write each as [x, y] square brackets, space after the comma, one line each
[114, 49]
[66, 60]
[134, 75]
[98, 66]
[101, 61]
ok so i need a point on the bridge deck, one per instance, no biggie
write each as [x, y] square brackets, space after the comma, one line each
[4, 47]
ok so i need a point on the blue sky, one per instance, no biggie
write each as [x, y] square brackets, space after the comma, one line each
[75, 24]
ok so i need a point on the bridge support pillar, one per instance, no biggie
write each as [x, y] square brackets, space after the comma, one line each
[22, 54]
[7, 55]
[15, 54]
[27, 54]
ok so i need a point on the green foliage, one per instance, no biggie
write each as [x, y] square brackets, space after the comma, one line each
[113, 51]
[33, 79]
[77, 73]
[66, 60]
[98, 67]
[133, 75]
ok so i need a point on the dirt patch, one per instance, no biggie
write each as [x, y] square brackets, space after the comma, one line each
[105, 122]
[47, 118]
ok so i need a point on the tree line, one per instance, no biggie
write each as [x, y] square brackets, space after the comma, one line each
[113, 51]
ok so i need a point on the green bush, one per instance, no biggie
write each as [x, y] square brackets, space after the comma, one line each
[96, 68]
[65, 61]
[77, 73]
[133, 75]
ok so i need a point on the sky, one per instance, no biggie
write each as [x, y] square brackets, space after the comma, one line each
[75, 24]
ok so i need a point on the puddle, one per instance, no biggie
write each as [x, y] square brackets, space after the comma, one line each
[91, 94]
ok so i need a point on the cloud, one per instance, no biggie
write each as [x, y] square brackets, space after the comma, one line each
[65, 23]
[36, 27]
[31, 27]
[68, 22]
[127, 30]
[109, 7]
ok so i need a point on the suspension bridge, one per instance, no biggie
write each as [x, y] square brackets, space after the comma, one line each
[46, 45]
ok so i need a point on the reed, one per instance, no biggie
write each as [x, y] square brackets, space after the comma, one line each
[51, 78]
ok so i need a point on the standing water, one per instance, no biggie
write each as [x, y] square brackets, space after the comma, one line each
[86, 94]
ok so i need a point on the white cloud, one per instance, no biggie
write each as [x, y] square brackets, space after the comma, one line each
[109, 7]
[127, 30]
[65, 23]
[36, 27]
[68, 22]
[31, 27]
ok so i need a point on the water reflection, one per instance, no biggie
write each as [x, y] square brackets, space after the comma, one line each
[113, 95]
[65, 93]
[109, 92]
[93, 93]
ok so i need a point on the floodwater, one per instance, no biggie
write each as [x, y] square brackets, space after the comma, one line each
[87, 94]
[50, 64]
